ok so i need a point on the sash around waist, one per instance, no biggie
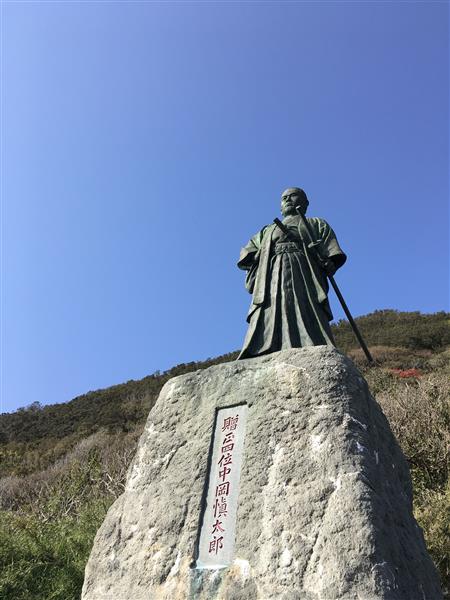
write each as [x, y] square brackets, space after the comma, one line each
[283, 247]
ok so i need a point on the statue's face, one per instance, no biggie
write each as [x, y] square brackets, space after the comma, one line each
[290, 200]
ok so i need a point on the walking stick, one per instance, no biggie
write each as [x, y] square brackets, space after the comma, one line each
[312, 246]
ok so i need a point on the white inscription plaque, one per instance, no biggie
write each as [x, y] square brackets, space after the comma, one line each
[217, 534]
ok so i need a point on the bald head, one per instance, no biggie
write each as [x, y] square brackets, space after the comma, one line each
[292, 199]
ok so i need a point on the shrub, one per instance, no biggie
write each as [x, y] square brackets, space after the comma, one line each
[432, 511]
[45, 560]
[419, 414]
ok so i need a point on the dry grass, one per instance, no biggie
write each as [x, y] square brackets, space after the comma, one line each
[419, 413]
[418, 409]
[95, 467]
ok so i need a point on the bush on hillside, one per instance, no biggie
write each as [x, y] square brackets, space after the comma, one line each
[419, 414]
[94, 468]
[411, 330]
[45, 560]
[432, 512]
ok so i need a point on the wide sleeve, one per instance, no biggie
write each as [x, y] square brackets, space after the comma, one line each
[249, 259]
[248, 256]
[250, 253]
[329, 247]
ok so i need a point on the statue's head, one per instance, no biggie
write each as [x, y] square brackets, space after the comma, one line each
[293, 199]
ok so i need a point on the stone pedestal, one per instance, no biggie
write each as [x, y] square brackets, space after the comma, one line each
[324, 507]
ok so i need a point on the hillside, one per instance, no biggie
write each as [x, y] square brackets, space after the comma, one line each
[63, 465]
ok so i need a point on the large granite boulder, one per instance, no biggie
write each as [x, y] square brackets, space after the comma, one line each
[324, 508]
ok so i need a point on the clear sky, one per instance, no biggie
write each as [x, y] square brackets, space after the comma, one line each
[143, 143]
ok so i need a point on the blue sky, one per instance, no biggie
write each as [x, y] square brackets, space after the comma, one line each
[143, 143]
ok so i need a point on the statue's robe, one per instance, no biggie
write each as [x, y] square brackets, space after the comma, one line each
[290, 307]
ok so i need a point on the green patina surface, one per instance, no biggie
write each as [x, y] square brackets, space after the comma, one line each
[289, 307]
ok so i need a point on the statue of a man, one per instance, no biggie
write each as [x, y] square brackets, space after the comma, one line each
[290, 306]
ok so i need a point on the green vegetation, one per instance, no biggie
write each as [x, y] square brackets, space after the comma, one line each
[410, 330]
[62, 466]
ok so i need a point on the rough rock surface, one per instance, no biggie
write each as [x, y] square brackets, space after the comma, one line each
[325, 494]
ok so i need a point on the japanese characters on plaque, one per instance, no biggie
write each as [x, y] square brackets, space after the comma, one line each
[217, 534]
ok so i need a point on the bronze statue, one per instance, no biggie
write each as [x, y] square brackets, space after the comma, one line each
[287, 276]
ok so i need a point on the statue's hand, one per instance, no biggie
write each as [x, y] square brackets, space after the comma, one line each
[314, 245]
[330, 267]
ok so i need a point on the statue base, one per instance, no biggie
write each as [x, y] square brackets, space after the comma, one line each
[323, 501]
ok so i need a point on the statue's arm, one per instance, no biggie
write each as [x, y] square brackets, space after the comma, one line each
[329, 247]
[249, 259]
[248, 256]
[250, 253]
